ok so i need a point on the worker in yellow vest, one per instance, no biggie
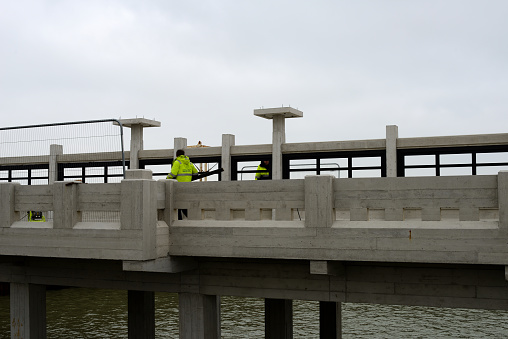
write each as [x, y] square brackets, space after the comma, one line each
[263, 170]
[182, 170]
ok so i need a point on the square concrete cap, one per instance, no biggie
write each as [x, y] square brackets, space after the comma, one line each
[269, 113]
[139, 121]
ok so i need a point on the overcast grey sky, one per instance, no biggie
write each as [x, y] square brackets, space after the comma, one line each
[434, 67]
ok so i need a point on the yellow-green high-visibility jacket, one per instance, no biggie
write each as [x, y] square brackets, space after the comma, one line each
[182, 169]
[262, 175]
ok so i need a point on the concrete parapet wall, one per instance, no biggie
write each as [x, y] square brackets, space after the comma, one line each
[136, 235]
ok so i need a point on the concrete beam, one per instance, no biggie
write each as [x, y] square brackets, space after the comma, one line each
[392, 133]
[326, 267]
[228, 140]
[163, 265]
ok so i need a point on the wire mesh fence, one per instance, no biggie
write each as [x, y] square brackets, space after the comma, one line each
[90, 151]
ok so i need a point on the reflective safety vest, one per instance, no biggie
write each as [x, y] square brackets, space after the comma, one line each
[182, 169]
[262, 175]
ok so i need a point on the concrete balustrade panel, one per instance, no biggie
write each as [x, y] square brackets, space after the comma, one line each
[466, 195]
[7, 213]
[247, 198]
[65, 204]
[319, 200]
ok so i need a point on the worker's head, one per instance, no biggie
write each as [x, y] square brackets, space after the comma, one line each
[180, 152]
[265, 162]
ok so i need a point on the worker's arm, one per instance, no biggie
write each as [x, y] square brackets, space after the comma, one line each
[174, 170]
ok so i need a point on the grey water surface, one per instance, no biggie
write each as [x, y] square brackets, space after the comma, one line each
[93, 313]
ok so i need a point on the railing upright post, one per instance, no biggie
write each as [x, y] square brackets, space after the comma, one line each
[138, 208]
[392, 133]
[319, 201]
[228, 140]
[65, 204]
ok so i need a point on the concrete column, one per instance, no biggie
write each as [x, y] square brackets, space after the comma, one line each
[278, 319]
[330, 320]
[65, 204]
[502, 195]
[319, 201]
[7, 213]
[136, 125]
[279, 133]
[136, 145]
[179, 143]
[141, 314]
[228, 140]
[138, 208]
[199, 316]
[54, 152]
[28, 311]
[392, 133]
[278, 138]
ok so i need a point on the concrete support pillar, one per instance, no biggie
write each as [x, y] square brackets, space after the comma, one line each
[65, 204]
[54, 152]
[278, 319]
[502, 195]
[141, 314]
[136, 145]
[278, 115]
[330, 320]
[136, 126]
[138, 208]
[392, 133]
[179, 143]
[319, 201]
[28, 311]
[7, 213]
[228, 140]
[199, 316]
[278, 138]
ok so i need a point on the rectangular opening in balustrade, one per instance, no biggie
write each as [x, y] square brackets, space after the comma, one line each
[489, 214]
[100, 216]
[376, 214]
[342, 214]
[238, 214]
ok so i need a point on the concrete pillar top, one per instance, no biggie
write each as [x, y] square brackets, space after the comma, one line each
[140, 121]
[270, 113]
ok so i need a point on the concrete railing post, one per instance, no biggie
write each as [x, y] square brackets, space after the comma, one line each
[54, 152]
[65, 204]
[179, 143]
[228, 140]
[138, 208]
[319, 201]
[7, 213]
[392, 133]
[502, 194]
